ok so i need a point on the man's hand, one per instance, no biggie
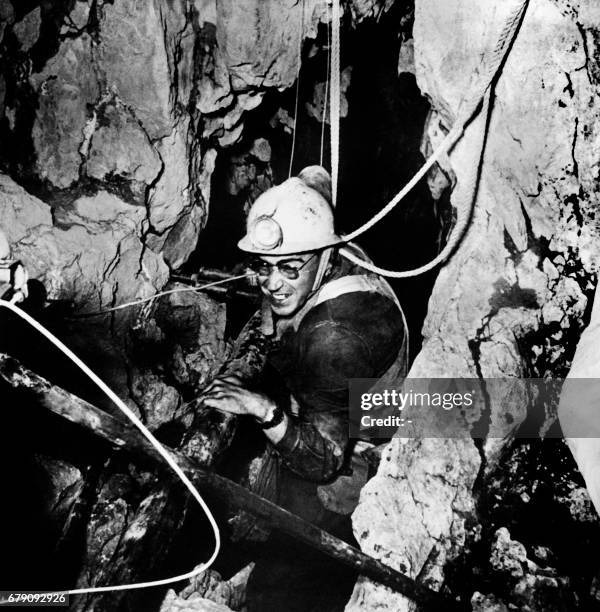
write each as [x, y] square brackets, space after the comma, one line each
[227, 394]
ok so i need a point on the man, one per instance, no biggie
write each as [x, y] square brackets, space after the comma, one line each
[330, 322]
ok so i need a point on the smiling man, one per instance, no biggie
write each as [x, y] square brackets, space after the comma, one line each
[329, 322]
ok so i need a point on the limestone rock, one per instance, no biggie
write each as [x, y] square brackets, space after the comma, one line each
[194, 604]
[20, 213]
[27, 30]
[158, 402]
[508, 556]
[198, 324]
[100, 213]
[132, 29]
[180, 240]
[98, 235]
[578, 501]
[319, 105]
[417, 480]
[65, 87]
[406, 57]
[214, 89]
[529, 586]
[364, 9]
[64, 483]
[179, 25]
[182, 237]
[487, 603]
[260, 48]
[533, 217]
[78, 18]
[7, 15]
[121, 149]
[209, 589]
[105, 528]
[180, 340]
[171, 195]
[261, 149]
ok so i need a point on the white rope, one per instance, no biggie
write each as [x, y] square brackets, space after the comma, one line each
[155, 443]
[334, 101]
[448, 142]
[492, 65]
[464, 208]
[157, 295]
[298, 62]
[325, 96]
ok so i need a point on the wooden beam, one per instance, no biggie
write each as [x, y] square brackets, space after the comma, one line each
[127, 437]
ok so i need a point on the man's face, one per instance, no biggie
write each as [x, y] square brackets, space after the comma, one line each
[287, 295]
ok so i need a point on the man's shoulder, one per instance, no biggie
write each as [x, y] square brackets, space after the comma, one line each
[355, 310]
[359, 316]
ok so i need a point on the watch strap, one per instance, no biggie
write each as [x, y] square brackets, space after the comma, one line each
[275, 419]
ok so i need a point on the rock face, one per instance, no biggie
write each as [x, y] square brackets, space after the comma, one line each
[512, 300]
[113, 116]
[99, 235]
[209, 592]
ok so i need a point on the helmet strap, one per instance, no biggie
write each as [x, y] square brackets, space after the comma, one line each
[324, 260]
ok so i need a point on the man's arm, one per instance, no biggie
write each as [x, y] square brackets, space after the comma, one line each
[314, 444]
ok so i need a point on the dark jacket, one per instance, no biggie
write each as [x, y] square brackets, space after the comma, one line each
[359, 334]
[355, 335]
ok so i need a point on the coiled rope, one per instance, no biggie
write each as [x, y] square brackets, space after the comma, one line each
[155, 443]
[492, 66]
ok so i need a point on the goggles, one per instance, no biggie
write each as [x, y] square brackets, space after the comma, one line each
[287, 270]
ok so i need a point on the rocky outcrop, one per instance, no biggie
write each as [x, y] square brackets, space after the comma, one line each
[512, 300]
[208, 592]
[115, 115]
[91, 253]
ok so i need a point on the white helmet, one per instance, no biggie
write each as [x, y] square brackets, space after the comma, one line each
[293, 217]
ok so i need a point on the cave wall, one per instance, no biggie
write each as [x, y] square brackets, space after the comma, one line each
[113, 115]
[512, 301]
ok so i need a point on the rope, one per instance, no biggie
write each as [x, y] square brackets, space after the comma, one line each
[492, 67]
[299, 62]
[327, 77]
[464, 209]
[157, 295]
[334, 101]
[155, 443]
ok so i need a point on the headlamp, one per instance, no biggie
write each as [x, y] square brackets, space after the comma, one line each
[266, 233]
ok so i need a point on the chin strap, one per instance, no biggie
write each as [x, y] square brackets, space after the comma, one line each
[324, 260]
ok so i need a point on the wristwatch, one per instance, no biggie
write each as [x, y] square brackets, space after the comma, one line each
[275, 419]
